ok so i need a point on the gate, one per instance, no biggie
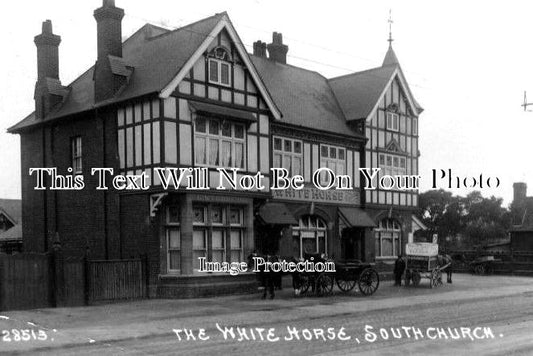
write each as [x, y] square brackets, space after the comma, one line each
[116, 280]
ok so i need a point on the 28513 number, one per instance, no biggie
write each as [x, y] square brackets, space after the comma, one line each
[17, 335]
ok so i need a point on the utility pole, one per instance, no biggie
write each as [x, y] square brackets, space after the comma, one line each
[526, 104]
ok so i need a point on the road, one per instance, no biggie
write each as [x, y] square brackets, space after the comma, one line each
[474, 316]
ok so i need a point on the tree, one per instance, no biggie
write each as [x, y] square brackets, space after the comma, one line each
[476, 219]
[442, 213]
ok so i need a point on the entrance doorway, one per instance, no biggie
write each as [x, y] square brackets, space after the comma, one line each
[353, 244]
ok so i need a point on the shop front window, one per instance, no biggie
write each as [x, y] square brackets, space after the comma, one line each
[311, 233]
[218, 233]
[388, 238]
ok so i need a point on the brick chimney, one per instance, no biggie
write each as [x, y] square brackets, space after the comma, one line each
[107, 80]
[260, 49]
[48, 90]
[520, 192]
[277, 50]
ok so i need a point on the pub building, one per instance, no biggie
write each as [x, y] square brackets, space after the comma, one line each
[193, 97]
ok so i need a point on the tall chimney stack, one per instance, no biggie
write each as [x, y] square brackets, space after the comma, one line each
[519, 192]
[260, 49]
[109, 43]
[277, 50]
[48, 89]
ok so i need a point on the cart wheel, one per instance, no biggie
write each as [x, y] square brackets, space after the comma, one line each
[408, 278]
[438, 280]
[324, 285]
[368, 281]
[436, 277]
[416, 277]
[479, 269]
[345, 285]
[304, 283]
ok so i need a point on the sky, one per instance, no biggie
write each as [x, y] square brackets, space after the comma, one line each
[467, 64]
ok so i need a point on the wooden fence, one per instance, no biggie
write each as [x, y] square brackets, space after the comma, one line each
[25, 281]
[46, 280]
[116, 280]
[506, 262]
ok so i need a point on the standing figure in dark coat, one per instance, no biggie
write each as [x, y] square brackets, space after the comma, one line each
[399, 268]
[269, 278]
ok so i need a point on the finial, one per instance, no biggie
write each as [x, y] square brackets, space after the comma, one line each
[390, 28]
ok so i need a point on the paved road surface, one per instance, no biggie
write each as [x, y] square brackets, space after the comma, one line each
[474, 316]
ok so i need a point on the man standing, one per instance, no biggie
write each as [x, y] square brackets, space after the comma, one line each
[399, 268]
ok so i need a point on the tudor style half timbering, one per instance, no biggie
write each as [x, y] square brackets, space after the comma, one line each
[193, 97]
[380, 100]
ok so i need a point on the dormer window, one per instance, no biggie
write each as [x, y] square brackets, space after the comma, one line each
[219, 67]
[393, 121]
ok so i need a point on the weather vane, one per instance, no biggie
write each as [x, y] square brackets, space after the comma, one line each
[390, 27]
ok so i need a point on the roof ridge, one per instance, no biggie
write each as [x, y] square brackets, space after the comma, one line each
[288, 65]
[362, 72]
[186, 26]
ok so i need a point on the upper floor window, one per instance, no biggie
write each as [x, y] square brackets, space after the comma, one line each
[219, 67]
[333, 158]
[415, 126]
[288, 155]
[392, 164]
[393, 121]
[75, 146]
[218, 143]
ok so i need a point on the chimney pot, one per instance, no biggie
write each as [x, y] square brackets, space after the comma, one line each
[47, 27]
[260, 49]
[277, 50]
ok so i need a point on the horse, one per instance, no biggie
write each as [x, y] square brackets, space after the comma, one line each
[269, 280]
[446, 260]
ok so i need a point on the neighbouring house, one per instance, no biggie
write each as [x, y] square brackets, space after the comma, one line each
[10, 226]
[193, 97]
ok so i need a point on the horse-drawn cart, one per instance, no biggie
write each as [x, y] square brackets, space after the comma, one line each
[347, 274]
[422, 262]
[483, 265]
[352, 272]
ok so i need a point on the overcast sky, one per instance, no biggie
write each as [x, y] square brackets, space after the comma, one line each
[467, 64]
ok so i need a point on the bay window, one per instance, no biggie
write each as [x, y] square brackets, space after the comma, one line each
[392, 164]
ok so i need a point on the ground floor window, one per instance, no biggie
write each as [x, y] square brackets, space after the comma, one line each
[218, 233]
[311, 234]
[388, 238]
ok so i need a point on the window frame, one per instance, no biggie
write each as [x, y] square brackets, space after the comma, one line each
[395, 118]
[391, 169]
[172, 225]
[336, 161]
[284, 154]
[76, 149]
[219, 64]
[220, 139]
[392, 227]
[305, 225]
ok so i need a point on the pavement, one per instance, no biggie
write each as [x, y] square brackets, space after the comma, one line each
[503, 304]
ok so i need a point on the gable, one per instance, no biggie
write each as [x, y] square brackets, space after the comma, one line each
[393, 146]
[396, 97]
[238, 86]
[224, 35]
